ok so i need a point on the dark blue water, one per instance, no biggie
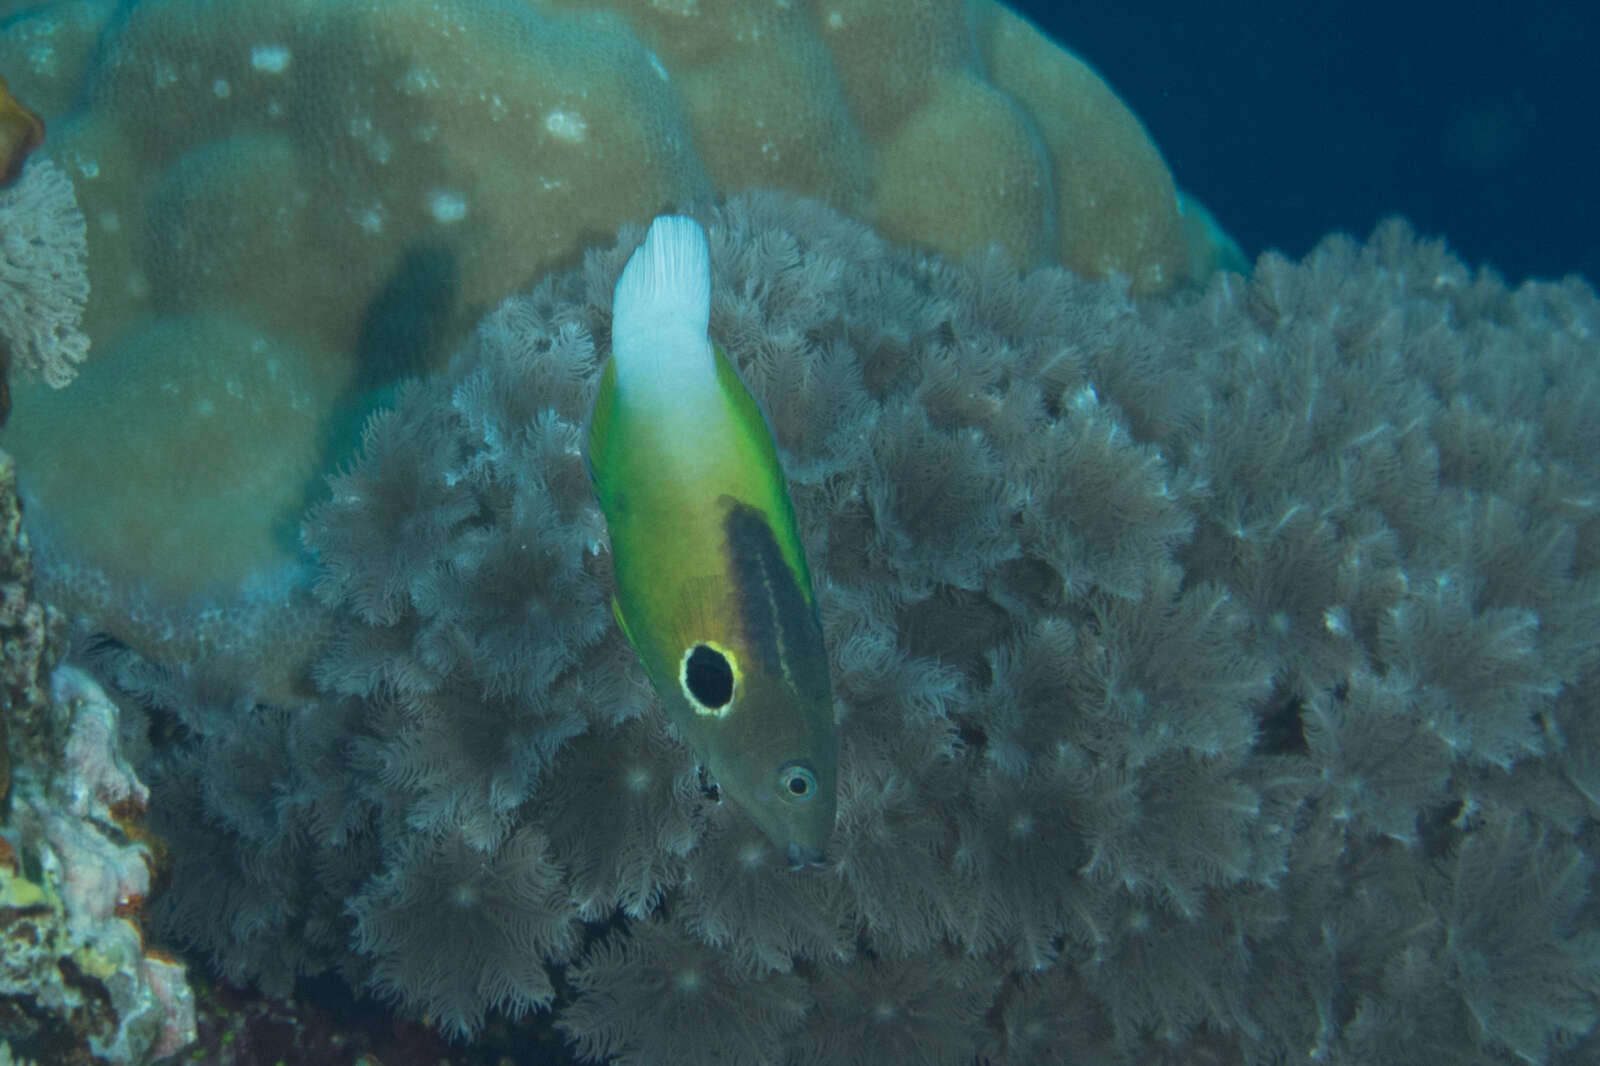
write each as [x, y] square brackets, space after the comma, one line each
[1476, 121]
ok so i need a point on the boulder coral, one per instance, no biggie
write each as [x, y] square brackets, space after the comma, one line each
[254, 406]
[281, 158]
[360, 180]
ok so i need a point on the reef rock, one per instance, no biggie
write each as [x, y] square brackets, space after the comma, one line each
[76, 981]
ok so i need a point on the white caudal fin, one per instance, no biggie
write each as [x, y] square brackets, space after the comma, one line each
[660, 312]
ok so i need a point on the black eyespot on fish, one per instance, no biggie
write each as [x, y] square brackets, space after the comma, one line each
[708, 677]
[797, 781]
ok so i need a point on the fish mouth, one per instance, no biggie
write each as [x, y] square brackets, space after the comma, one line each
[801, 856]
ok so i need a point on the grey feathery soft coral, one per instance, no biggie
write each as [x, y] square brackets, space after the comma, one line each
[1181, 651]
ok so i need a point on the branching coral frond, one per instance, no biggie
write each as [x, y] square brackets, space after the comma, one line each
[1480, 676]
[925, 1008]
[44, 279]
[1520, 957]
[655, 996]
[623, 821]
[1382, 768]
[453, 931]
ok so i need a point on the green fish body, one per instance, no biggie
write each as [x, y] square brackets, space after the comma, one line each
[712, 588]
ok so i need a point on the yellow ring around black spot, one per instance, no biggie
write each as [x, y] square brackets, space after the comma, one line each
[709, 677]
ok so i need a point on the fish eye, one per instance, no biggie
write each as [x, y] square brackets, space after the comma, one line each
[797, 782]
[707, 676]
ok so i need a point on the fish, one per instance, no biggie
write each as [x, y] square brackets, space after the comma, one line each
[712, 589]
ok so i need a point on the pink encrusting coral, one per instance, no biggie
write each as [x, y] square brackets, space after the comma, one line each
[100, 877]
[84, 903]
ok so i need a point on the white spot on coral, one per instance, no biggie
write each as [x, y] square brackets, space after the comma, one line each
[270, 58]
[418, 80]
[221, 89]
[638, 779]
[42, 60]
[370, 219]
[274, 108]
[447, 205]
[835, 20]
[378, 145]
[656, 65]
[234, 387]
[497, 108]
[566, 126]
[204, 407]
[164, 75]
[89, 168]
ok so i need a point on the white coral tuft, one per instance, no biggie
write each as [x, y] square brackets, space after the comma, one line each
[44, 280]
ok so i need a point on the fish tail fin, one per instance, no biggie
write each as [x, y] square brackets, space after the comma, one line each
[662, 305]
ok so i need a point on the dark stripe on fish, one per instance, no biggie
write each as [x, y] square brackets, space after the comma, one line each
[780, 623]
